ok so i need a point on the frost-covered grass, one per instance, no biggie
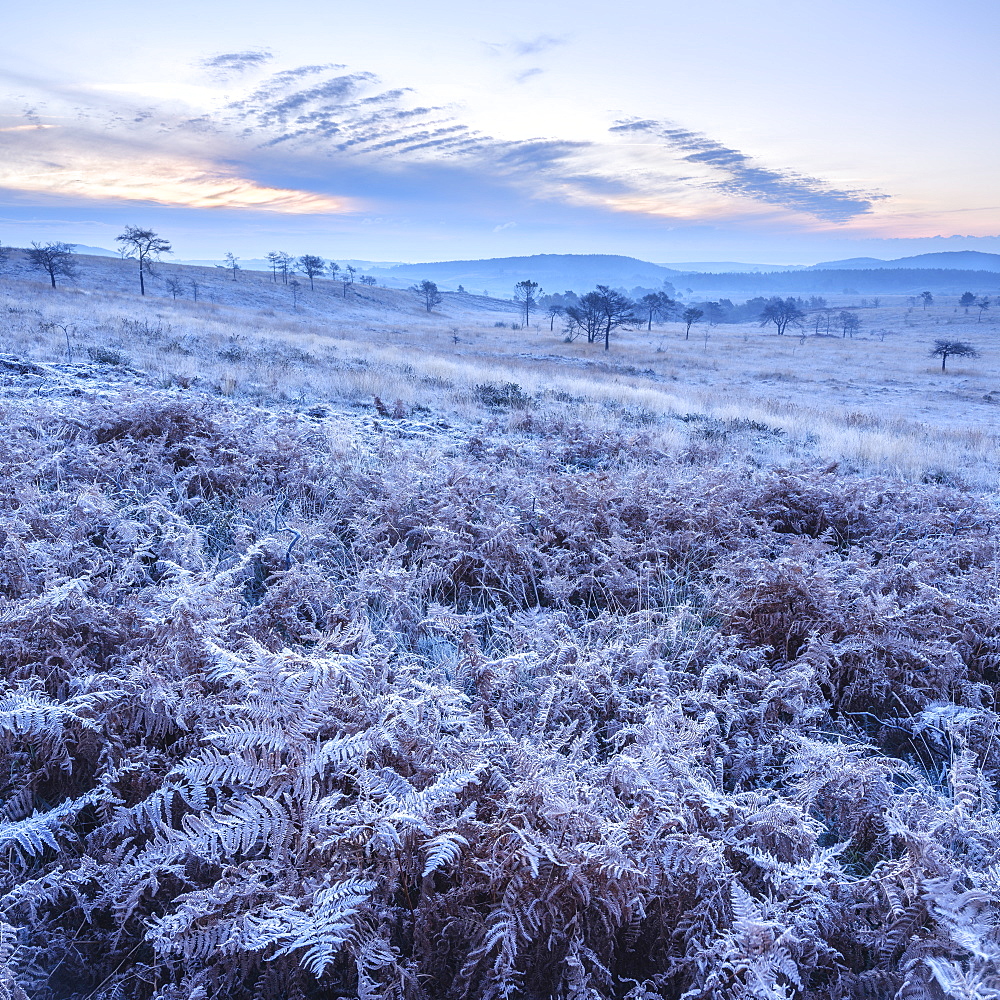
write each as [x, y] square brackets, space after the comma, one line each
[535, 710]
[875, 403]
[542, 676]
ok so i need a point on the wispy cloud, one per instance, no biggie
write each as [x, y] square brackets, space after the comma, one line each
[238, 62]
[328, 139]
[743, 176]
[527, 46]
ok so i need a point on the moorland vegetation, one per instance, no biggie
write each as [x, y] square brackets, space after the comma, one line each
[354, 650]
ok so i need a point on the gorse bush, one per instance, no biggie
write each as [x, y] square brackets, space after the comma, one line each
[287, 713]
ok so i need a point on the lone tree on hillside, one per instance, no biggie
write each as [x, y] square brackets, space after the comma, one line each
[311, 266]
[690, 317]
[55, 259]
[527, 292]
[430, 293]
[967, 299]
[782, 313]
[927, 299]
[144, 246]
[945, 349]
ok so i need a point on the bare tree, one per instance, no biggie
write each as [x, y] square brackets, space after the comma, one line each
[782, 313]
[311, 266]
[295, 287]
[55, 259]
[274, 259]
[690, 317]
[143, 246]
[616, 310]
[232, 265]
[430, 293]
[173, 285]
[194, 285]
[982, 305]
[526, 292]
[586, 316]
[945, 349]
[285, 266]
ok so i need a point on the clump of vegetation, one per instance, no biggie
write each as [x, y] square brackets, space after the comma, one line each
[107, 356]
[283, 716]
[502, 395]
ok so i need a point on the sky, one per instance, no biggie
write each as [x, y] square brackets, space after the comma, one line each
[779, 131]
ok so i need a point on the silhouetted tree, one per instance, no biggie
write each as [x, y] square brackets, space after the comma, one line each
[927, 299]
[285, 266]
[232, 265]
[657, 304]
[274, 259]
[295, 287]
[690, 317]
[311, 266]
[143, 246]
[429, 291]
[782, 313]
[616, 310]
[850, 323]
[585, 316]
[174, 286]
[55, 259]
[982, 305]
[553, 310]
[195, 285]
[967, 299]
[348, 277]
[334, 268]
[526, 292]
[369, 279]
[945, 349]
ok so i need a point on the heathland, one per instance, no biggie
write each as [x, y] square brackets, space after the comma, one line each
[351, 649]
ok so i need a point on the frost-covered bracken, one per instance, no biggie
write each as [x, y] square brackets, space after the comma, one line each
[291, 710]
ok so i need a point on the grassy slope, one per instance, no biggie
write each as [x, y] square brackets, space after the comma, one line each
[569, 695]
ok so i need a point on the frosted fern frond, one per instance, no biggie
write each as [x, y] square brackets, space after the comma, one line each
[328, 924]
[443, 850]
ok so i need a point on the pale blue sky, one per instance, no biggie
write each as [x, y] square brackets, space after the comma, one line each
[771, 131]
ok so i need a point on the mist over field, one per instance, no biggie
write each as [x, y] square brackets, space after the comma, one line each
[499, 503]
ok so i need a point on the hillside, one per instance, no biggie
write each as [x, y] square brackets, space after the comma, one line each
[555, 272]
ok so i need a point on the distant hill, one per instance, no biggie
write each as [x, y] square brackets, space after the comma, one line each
[948, 260]
[730, 267]
[554, 272]
[93, 251]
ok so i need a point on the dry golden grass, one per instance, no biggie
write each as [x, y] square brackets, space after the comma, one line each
[876, 402]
